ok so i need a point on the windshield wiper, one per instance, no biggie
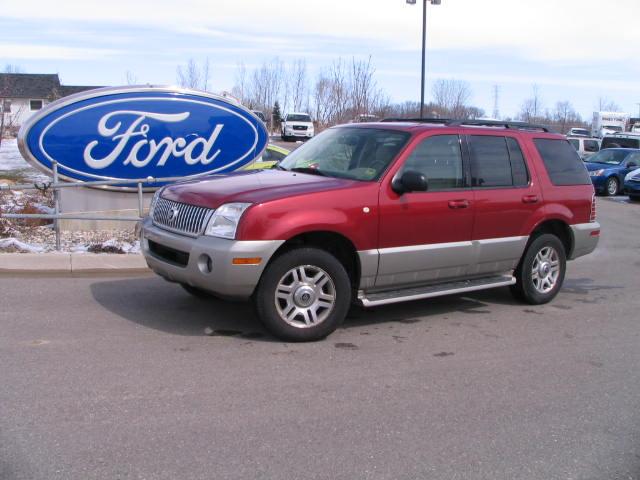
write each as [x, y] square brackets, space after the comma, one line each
[309, 170]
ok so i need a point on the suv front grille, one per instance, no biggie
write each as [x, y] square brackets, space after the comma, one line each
[299, 127]
[180, 217]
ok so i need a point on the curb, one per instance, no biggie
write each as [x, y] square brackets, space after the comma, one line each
[73, 264]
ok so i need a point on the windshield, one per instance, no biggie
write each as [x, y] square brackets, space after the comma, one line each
[356, 153]
[298, 118]
[580, 131]
[609, 157]
[612, 128]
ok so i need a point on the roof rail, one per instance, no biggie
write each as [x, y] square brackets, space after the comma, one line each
[476, 123]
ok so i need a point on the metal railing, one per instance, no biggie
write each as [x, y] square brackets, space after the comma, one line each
[56, 185]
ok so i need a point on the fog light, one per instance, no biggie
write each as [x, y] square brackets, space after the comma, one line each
[205, 264]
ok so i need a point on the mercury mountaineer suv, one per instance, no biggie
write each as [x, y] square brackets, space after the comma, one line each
[379, 213]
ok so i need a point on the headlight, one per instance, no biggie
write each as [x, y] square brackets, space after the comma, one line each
[596, 173]
[224, 221]
[154, 200]
[632, 174]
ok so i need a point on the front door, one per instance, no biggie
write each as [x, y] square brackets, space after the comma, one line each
[425, 237]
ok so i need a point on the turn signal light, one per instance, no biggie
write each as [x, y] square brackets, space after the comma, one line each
[246, 261]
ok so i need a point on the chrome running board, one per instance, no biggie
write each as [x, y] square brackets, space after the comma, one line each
[417, 293]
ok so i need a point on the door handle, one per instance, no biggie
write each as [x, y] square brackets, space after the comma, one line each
[530, 199]
[455, 204]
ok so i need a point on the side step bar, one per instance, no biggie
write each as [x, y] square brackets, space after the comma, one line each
[417, 293]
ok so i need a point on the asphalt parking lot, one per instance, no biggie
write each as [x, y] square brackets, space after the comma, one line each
[114, 378]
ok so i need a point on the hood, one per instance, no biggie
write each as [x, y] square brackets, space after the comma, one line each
[252, 186]
[598, 166]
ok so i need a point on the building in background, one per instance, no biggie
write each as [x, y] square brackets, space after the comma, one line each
[23, 94]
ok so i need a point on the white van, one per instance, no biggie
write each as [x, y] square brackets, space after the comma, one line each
[585, 146]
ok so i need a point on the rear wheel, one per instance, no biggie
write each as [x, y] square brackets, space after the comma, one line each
[541, 271]
[303, 295]
[634, 198]
[612, 186]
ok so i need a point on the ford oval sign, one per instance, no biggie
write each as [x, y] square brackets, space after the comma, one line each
[130, 133]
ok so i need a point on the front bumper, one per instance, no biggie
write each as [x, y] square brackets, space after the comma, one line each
[299, 133]
[585, 238]
[225, 279]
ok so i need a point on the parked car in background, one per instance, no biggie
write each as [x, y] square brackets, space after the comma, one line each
[585, 146]
[297, 125]
[578, 132]
[379, 213]
[609, 167]
[632, 184]
[260, 115]
[621, 140]
[269, 159]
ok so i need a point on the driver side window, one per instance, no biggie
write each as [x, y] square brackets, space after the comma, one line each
[439, 159]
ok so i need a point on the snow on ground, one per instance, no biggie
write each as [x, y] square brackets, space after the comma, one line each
[11, 161]
[34, 237]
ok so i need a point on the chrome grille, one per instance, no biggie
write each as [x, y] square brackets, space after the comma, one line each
[180, 217]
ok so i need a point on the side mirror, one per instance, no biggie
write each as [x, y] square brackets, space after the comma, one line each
[409, 181]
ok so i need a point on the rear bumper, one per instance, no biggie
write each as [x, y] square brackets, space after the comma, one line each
[632, 188]
[225, 279]
[599, 183]
[585, 238]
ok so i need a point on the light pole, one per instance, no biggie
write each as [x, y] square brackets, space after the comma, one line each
[424, 44]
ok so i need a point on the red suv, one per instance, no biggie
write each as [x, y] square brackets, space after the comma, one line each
[379, 213]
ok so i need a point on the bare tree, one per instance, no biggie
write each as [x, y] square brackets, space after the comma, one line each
[12, 68]
[193, 75]
[606, 105]
[451, 97]
[531, 109]
[9, 114]
[297, 85]
[130, 78]
[239, 89]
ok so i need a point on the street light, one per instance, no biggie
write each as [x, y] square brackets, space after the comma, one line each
[424, 43]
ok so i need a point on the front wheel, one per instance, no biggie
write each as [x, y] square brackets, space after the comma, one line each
[303, 295]
[541, 271]
[612, 186]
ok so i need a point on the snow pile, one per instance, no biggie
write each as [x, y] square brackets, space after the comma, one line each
[12, 244]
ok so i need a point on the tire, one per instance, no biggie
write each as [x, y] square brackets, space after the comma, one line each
[303, 295]
[612, 186]
[634, 198]
[196, 292]
[537, 281]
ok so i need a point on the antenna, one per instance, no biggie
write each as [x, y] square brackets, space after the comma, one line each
[496, 95]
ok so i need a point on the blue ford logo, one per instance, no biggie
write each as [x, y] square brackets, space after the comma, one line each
[136, 132]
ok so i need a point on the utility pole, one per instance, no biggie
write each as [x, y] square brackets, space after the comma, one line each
[496, 94]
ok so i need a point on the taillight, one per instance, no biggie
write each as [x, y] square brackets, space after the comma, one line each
[592, 217]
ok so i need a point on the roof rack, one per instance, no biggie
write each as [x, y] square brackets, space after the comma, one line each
[475, 123]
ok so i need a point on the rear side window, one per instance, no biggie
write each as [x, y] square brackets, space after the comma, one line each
[575, 142]
[496, 162]
[562, 162]
[617, 142]
[591, 146]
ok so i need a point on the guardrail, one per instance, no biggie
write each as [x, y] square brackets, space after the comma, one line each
[56, 185]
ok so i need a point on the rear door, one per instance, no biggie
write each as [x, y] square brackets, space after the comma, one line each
[507, 197]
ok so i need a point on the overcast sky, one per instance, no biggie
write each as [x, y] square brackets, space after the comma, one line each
[576, 50]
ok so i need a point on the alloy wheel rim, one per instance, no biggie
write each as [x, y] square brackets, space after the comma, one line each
[545, 269]
[305, 296]
[612, 187]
